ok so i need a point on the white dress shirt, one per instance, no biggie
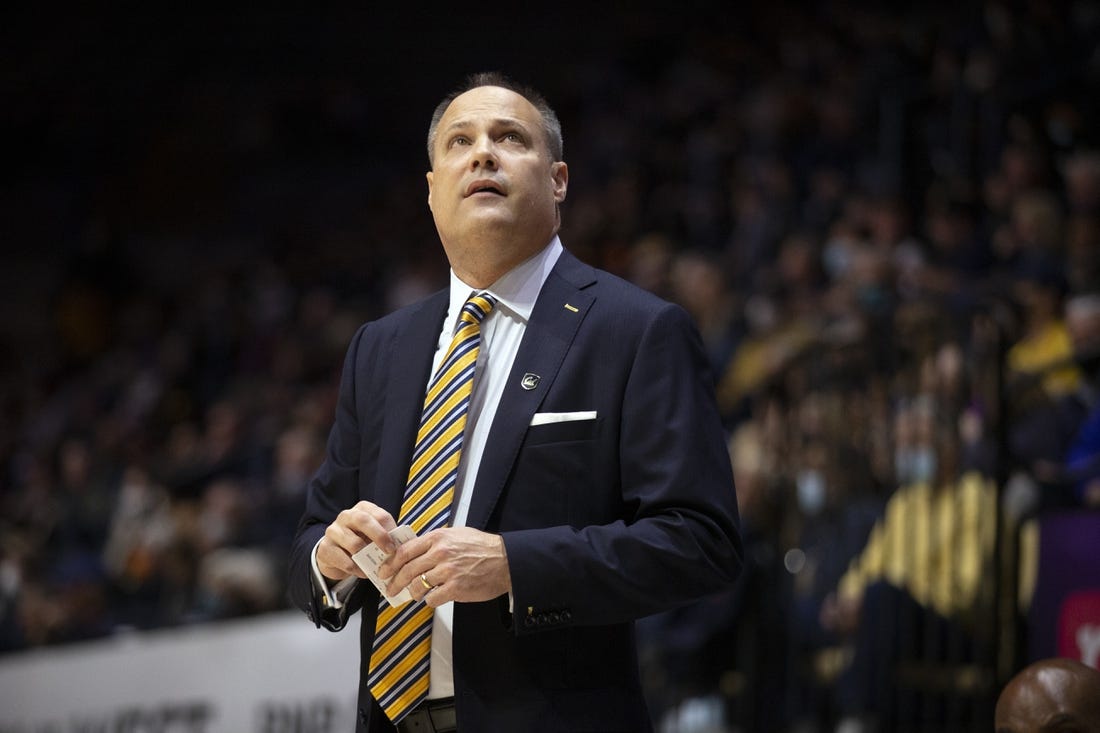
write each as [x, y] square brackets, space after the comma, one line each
[501, 334]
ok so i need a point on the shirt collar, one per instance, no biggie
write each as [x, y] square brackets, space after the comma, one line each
[518, 288]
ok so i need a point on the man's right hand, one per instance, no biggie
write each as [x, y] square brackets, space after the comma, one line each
[353, 529]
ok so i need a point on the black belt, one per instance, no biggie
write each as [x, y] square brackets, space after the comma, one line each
[431, 716]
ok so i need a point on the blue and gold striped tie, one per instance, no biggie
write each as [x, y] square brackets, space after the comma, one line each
[398, 675]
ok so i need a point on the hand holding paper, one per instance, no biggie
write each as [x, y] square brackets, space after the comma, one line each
[371, 557]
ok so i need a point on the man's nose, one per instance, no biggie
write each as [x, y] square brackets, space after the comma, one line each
[484, 154]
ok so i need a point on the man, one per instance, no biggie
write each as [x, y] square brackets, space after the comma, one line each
[1050, 695]
[593, 485]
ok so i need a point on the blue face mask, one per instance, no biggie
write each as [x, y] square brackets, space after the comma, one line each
[811, 491]
[915, 465]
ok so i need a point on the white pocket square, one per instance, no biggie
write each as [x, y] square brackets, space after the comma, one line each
[543, 418]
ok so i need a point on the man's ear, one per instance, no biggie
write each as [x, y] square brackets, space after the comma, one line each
[559, 172]
[428, 176]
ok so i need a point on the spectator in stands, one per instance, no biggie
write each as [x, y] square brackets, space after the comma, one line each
[698, 283]
[1040, 362]
[956, 255]
[1043, 437]
[1083, 462]
[837, 506]
[1082, 182]
[912, 591]
[143, 534]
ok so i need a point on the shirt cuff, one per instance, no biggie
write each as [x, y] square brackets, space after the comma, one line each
[335, 595]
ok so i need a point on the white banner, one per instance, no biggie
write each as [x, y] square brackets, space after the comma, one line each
[266, 674]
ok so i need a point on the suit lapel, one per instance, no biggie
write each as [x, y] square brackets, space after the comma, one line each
[409, 357]
[562, 305]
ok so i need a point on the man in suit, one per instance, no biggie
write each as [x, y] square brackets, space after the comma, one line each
[593, 486]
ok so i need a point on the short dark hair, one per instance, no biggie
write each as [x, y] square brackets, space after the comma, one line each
[550, 125]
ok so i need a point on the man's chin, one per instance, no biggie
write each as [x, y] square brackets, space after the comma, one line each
[490, 217]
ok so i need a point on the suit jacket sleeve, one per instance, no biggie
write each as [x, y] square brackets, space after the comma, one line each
[333, 488]
[667, 530]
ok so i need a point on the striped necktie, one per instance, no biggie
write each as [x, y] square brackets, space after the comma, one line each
[398, 677]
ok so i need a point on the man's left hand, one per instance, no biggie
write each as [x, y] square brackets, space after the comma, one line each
[450, 564]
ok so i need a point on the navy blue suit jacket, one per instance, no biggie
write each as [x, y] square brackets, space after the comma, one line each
[604, 521]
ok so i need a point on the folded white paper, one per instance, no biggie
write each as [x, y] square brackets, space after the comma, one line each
[371, 556]
[543, 418]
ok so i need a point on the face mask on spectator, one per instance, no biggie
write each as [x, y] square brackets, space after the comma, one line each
[914, 465]
[811, 491]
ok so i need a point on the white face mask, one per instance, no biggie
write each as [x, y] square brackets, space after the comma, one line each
[836, 257]
[915, 465]
[811, 491]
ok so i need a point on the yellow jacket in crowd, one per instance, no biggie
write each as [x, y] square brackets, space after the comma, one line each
[935, 544]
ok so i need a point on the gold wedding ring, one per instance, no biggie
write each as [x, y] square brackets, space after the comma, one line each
[424, 580]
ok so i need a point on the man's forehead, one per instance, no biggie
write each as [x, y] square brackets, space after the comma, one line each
[472, 119]
[495, 101]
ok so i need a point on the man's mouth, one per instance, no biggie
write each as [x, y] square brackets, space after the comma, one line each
[485, 187]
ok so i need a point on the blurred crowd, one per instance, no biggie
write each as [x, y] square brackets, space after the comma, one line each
[886, 226]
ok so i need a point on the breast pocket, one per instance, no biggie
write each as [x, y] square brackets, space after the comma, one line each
[554, 473]
[561, 432]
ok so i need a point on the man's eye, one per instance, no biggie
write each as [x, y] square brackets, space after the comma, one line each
[513, 137]
[459, 141]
